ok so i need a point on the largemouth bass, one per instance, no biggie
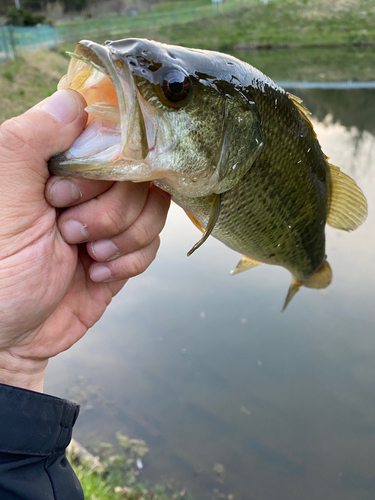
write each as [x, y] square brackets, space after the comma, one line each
[236, 151]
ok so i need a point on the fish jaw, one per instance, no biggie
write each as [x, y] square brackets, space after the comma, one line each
[114, 145]
[125, 139]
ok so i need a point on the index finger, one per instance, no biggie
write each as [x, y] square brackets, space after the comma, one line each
[67, 191]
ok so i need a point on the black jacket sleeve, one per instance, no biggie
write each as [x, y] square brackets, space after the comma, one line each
[35, 429]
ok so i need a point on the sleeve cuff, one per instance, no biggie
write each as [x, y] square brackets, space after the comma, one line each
[33, 423]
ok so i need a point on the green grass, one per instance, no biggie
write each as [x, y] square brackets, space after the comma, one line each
[164, 14]
[104, 486]
[281, 23]
[314, 64]
[95, 486]
[118, 477]
[168, 6]
[21, 86]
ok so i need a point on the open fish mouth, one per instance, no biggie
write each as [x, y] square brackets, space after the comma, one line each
[115, 133]
[161, 113]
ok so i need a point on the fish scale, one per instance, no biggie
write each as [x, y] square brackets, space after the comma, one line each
[255, 214]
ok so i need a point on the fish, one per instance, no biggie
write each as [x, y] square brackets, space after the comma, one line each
[235, 150]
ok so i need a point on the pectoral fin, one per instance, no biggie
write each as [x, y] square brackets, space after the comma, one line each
[195, 222]
[214, 215]
[320, 279]
[244, 264]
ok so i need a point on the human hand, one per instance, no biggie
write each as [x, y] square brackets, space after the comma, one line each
[51, 289]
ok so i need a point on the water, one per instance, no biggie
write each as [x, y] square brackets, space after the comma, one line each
[205, 367]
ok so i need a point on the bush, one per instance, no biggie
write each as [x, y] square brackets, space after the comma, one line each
[24, 17]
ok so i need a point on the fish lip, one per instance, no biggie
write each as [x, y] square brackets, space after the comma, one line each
[100, 55]
[130, 161]
[103, 54]
[65, 164]
[134, 143]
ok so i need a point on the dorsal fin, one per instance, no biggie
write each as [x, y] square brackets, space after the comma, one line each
[348, 205]
[245, 264]
[304, 112]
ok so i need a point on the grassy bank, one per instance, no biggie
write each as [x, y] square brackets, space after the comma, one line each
[314, 64]
[245, 24]
[281, 23]
[164, 14]
[112, 472]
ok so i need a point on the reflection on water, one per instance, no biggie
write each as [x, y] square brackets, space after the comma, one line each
[205, 368]
[354, 110]
[349, 85]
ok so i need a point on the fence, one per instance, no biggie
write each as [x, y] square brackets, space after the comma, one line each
[15, 39]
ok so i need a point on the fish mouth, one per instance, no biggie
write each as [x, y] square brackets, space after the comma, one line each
[115, 135]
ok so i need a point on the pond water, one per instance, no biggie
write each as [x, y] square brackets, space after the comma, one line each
[206, 368]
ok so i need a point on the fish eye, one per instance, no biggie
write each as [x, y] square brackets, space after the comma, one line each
[176, 86]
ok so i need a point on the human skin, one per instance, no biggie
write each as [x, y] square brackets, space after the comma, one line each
[59, 269]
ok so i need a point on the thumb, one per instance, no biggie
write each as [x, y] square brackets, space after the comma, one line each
[26, 143]
[48, 128]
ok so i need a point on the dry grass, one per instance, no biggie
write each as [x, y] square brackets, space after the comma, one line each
[28, 80]
[49, 63]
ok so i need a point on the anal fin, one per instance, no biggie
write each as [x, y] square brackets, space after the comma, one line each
[245, 264]
[320, 279]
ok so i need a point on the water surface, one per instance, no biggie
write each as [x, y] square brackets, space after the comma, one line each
[206, 368]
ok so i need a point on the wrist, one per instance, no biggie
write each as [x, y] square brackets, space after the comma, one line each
[22, 372]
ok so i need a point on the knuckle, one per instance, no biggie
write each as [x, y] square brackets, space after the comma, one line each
[15, 136]
[116, 219]
[137, 263]
[143, 235]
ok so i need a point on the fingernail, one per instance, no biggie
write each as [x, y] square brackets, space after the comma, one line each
[100, 273]
[74, 232]
[64, 192]
[104, 249]
[63, 105]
